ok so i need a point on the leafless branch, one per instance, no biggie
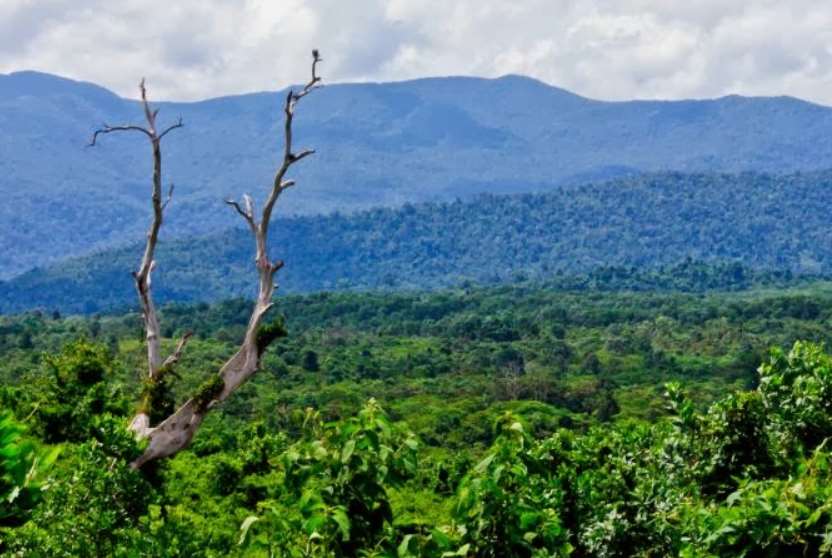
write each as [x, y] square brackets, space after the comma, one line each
[314, 81]
[239, 209]
[177, 354]
[106, 129]
[170, 197]
[289, 157]
[179, 124]
[149, 114]
[295, 157]
[246, 213]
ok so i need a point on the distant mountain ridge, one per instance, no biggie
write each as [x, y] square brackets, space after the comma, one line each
[763, 223]
[379, 144]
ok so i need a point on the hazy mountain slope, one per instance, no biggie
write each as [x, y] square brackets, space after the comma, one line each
[378, 145]
[764, 222]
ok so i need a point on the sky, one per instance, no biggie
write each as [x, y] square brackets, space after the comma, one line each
[604, 49]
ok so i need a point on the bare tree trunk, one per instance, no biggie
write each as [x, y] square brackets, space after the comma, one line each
[176, 431]
[155, 367]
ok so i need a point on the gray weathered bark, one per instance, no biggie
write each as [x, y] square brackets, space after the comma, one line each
[176, 431]
[141, 422]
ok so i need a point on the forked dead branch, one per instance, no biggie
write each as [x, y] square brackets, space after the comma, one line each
[174, 432]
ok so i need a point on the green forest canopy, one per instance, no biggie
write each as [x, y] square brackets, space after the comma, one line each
[504, 421]
[767, 223]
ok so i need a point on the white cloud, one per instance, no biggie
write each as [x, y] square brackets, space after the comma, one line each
[611, 49]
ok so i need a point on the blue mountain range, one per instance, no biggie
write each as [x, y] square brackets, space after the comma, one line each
[378, 145]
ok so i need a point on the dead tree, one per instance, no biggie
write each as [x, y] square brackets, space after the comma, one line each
[175, 431]
[156, 367]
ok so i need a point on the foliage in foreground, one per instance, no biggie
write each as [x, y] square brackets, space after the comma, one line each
[748, 476]
[23, 466]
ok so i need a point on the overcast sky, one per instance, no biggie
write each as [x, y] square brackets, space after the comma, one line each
[608, 49]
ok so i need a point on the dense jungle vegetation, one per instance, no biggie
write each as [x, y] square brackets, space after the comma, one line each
[646, 222]
[525, 420]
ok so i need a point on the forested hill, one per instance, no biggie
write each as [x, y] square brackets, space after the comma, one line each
[378, 145]
[761, 222]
